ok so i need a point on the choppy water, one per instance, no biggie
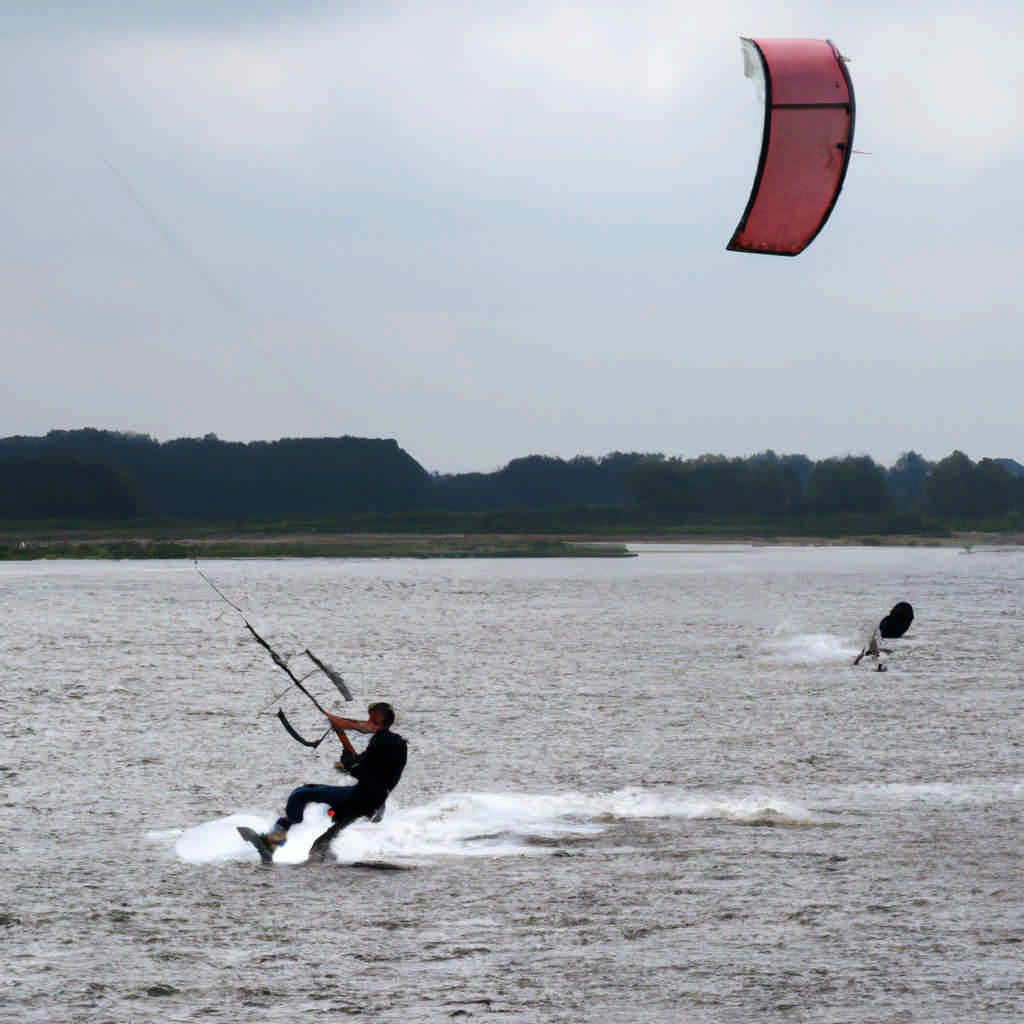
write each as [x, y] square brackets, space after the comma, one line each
[648, 790]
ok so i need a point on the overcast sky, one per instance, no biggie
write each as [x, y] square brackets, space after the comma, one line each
[496, 229]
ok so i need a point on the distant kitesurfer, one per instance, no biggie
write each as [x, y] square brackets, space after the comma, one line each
[872, 650]
[376, 771]
[892, 626]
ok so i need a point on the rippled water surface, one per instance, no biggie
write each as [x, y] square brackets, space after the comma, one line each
[650, 789]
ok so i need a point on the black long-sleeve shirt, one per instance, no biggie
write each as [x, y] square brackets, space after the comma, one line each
[379, 767]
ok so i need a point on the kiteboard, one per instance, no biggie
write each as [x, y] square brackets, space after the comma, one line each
[317, 852]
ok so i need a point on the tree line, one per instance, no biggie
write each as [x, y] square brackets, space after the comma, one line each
[204, 478]
[106, 476]
[912, 493]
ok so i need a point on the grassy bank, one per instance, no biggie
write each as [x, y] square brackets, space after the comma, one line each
[296, 540]
[305, 546]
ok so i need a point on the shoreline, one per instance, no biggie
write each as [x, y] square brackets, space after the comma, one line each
[299, 545]
[170, 543]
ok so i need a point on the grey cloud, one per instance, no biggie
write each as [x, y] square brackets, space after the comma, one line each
[459, 232]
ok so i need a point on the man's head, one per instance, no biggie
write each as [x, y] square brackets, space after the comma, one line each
[382, 714]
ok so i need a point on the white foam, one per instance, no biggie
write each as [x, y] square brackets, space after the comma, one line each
[810, 647]
[216, 840]
[482, 825]
[219, 840]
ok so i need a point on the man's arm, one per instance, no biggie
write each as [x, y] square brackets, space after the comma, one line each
[339, 723]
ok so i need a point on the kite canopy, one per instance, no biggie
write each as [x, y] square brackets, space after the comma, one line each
[897, 622]
[808, 135]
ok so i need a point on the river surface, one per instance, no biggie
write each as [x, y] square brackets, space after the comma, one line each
[639, 790]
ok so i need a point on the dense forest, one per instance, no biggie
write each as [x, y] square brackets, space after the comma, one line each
[137, 477]
[84, 476]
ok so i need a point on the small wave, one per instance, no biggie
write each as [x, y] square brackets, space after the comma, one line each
[749, 810]
[772, 817]
[978, 791]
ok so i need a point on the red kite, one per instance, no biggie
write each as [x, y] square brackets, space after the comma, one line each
[808, 135]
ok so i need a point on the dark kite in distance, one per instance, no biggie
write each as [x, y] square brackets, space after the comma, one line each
[897, 622]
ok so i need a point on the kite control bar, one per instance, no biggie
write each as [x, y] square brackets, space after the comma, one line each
[295, 736]
[332, 674]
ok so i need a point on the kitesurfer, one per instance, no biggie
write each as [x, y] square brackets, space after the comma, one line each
[872, 650]
[892, 626]
[376, 771]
